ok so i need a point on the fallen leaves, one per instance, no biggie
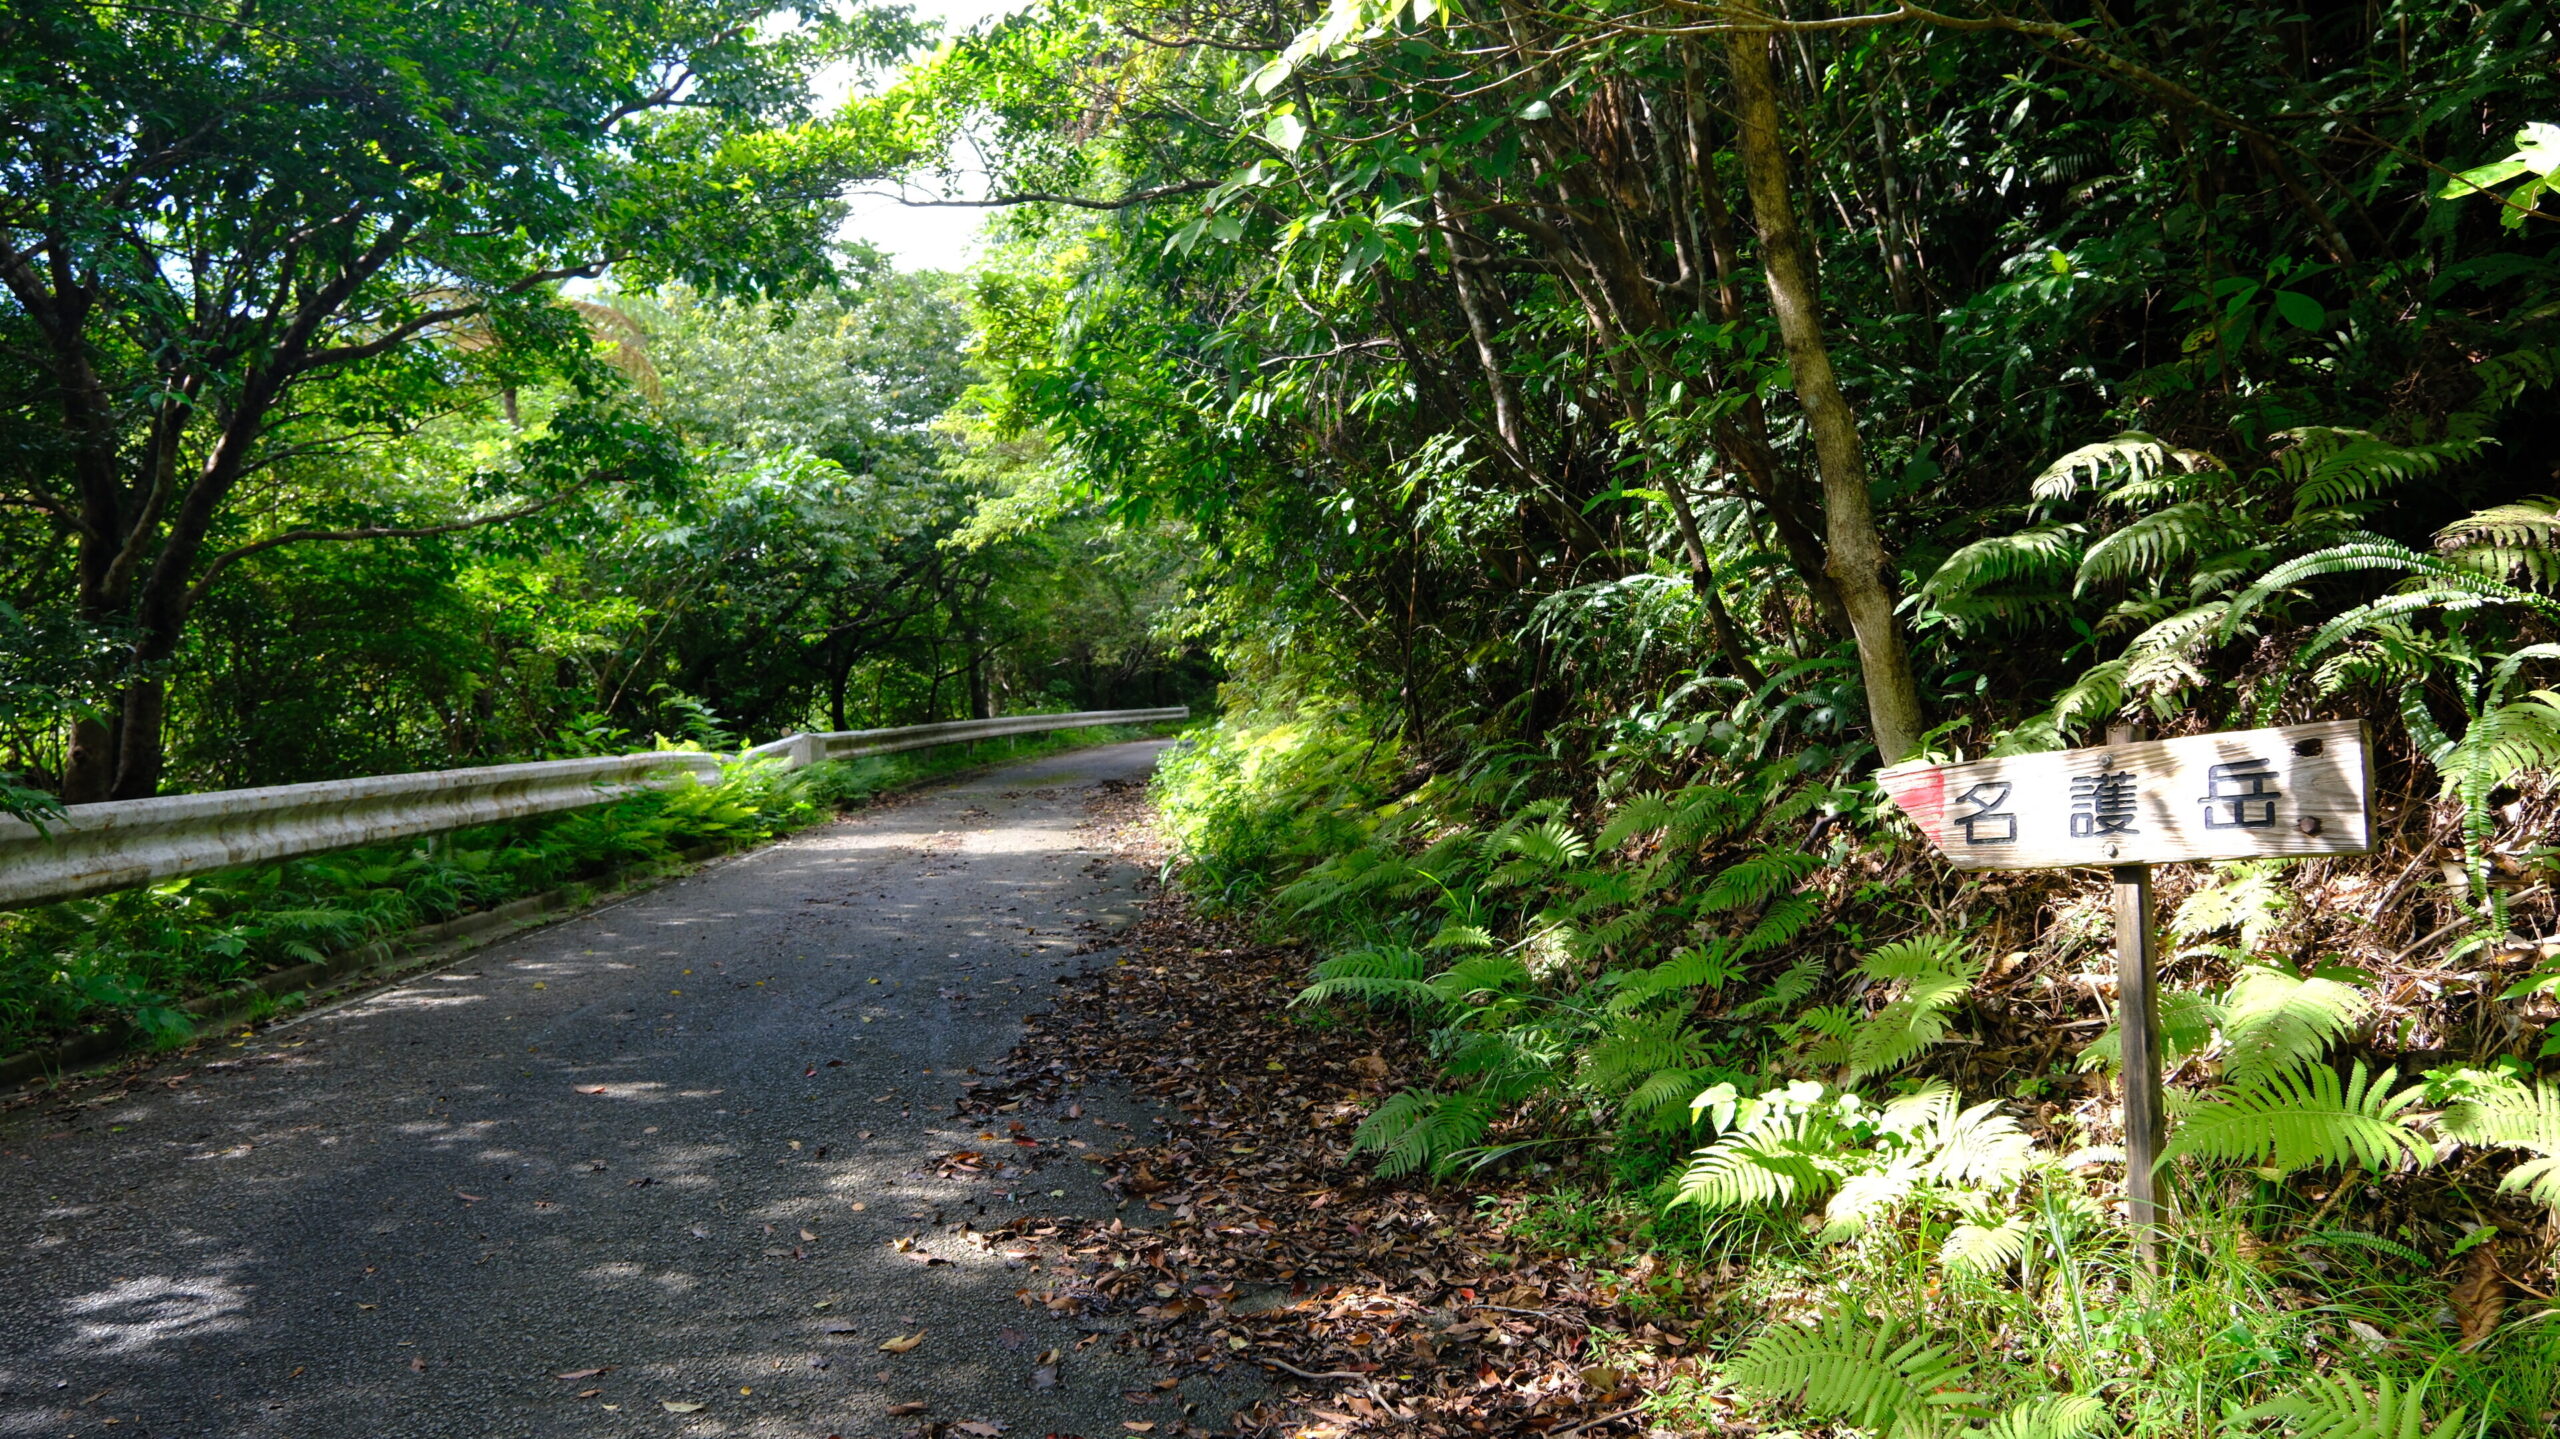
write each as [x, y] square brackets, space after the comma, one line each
[911, 1406]
[2481, 1296]
[583, 1373]
[682, 1406]
[1273, 1244]
[903, 1344]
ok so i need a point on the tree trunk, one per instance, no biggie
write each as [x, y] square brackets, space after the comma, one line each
[1857, 563]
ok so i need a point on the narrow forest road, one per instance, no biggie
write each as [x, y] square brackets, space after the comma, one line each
[667, 1168]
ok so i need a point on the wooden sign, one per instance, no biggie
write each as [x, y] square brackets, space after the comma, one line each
[2130, 804]
[2248, 794]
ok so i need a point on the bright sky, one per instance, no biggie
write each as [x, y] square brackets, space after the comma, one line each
[923, 238]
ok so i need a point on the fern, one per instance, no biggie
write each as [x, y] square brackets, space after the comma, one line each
[1858, 1372]
[2331, 467]
[1378, 974]
[2333, 1406]
[2051, 1416]
[1707, 966]
[1642, 815]
[1978, 1248]
[2041, 555]
[2247, 897]
[2315, 1119]
[2148, 547]
[2518, 544]
[1415, 1129]
[1934, 972]
[1784, 992]
[2187, 1022]
[2132, 455]
[2273, 1021]
[1782, 922]
[2516, 1118]
[1756, 880]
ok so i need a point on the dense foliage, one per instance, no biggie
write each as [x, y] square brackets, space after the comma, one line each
[1611, 430]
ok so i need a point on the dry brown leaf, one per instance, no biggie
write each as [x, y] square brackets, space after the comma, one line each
[984, 1428]
[579, 1374]
[591, 1089]
[911, 1406]
[2481, 1296]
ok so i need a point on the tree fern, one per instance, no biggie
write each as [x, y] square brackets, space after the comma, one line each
[2333, 1406]
[2316, 1119]
[1859, 1371]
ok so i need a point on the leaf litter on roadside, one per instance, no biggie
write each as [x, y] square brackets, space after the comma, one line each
[1380, 1307]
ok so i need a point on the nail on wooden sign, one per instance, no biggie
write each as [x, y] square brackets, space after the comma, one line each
[2246, 794]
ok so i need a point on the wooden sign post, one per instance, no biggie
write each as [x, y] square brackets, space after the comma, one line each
[2128, 805]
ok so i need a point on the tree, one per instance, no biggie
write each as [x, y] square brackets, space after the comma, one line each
[231, 238]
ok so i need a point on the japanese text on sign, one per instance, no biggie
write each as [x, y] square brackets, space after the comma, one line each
[2298, 790]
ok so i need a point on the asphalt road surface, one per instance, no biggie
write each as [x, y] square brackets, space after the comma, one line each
[680, 1149]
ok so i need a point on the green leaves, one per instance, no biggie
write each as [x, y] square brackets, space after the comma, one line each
[2536, 161]
[2312, 1119]
[1859, 1371]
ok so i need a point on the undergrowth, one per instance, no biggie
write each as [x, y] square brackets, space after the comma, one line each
[1848, 1120]
[135, 957]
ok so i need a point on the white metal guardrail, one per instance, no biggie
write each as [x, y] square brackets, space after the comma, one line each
[95, 848]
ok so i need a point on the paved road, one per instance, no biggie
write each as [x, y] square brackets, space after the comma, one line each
[686, 1140]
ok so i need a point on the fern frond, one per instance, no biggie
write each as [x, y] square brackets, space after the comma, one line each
[1986, 1248]
[1983, 1148]
[2330, 467]
[2317, 1119]
[1859, 1371]
[2274, 1021]
[1776, 1162]
[2146, 548]
[2042, 555]
[2132, 455]
[1934, 972]
[1707, 966]
[1754, 880]
[1642, 815]
[2517, 543]
[1784, 992]
[2053, 1416]
[1376, 974]
[1416, 1128]
[2527, 1119]
[2333, 1406]
[2247, 896]
[1782, 922]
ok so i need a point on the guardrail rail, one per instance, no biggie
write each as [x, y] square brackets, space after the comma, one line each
[97, 848]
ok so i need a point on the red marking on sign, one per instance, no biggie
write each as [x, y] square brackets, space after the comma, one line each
[1922, 794]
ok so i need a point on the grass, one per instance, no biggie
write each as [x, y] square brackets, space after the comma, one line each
[135, 957]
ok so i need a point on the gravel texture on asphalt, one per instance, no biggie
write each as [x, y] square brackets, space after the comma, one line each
[664, 1168]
